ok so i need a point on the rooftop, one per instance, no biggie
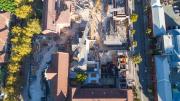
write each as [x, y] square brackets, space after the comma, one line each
[56, 15]
[101, 94]
[159, 27]
[4, 21]
[58, 74]
[172, 18]
[163, 83]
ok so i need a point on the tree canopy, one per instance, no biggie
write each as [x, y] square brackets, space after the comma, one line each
[81, 77]
[137, 59]
[7, 5]
[135, 43]
[23, 11]
[134, 17]
[148, 31]
[133, 31]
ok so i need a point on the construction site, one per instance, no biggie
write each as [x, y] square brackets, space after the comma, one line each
[100, 47]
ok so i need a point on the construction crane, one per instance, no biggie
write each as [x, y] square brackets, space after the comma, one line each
[94, 18]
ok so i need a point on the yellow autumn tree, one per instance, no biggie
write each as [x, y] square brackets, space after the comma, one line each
[133, 32]
[9, 89]
[18, 2]
[15, 58]
[23, 11]
[135, 43]
[16, 30]
[22, 50]
[15, 40]
[137, 59]
[10, 80]
[13, 67]
[12, 95]
[134, 17]
[33, 27]
[26, 40]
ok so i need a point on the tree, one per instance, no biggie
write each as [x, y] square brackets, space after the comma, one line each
[1, 75]
[22, 50]
[135, 43]
[26, 40]
[33, 27]
[12, 95]
[15, 58]
[15, 40]
[13, 68]
[137, 59]
[23, 11]
[16, 30]
[18, 2]
[148, 31]
[7, 5]
[81, 77]
[133, 32]
[134, 17]
[11, 80]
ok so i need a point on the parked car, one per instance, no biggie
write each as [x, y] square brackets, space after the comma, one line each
[177, 11]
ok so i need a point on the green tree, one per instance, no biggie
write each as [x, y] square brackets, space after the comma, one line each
[137, 59]
[7, 5]
[134, 17]
[81, 77]
[23, 11]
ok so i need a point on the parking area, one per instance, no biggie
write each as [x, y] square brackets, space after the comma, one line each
[172, 14]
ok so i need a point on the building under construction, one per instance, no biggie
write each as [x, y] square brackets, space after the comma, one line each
[103, 55]
[118, 20]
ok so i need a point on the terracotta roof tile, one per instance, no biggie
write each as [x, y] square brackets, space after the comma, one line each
[59, 74]
[4, 20]
[55, 18]
[101, 94]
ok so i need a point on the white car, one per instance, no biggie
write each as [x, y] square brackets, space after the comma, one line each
[177, 11]
[175, 7]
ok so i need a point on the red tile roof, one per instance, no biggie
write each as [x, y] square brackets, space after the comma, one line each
[58, 73]
[55, 18]
[4, 20]
[101, 94]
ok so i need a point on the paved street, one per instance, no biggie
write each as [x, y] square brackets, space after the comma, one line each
[36, 91]
[139, 26]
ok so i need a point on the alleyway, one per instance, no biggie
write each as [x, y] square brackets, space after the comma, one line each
[36, 88]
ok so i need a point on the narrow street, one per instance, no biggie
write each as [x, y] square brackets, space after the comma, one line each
[140, 37]
[36, 91]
